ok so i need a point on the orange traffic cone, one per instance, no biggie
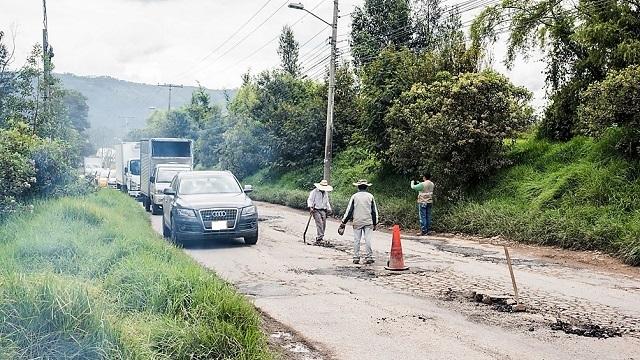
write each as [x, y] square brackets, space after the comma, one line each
[396, 260]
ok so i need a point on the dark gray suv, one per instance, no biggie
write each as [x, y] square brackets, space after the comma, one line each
[207, 205]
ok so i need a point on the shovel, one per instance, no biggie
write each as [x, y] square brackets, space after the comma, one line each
[304, 236]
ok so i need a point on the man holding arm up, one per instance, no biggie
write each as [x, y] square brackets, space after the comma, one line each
[425, 201]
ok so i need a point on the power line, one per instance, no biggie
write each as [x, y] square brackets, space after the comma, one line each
[312, 51]
[253, 53]
[250, 33]
[229, 37]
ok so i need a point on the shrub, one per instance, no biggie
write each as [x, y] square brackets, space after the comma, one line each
[17, 172]
[614, 102]
[457, 127]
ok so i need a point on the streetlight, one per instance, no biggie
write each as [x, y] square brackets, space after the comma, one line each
[332, 83]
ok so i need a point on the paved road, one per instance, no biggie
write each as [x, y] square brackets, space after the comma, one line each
[355, 312]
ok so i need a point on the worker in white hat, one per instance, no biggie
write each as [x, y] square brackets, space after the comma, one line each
[363, 213]
[320, 207]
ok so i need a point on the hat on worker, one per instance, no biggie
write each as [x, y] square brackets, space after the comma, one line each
[362, 182]
[323, 185]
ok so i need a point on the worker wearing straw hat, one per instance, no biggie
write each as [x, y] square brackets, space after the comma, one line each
[363, 213]
[320, 207]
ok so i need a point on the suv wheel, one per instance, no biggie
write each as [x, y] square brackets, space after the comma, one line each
[166, 232]
[251, 240]
[174, 234]
[156, 209]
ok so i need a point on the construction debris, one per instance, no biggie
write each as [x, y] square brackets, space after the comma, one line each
[588, 330]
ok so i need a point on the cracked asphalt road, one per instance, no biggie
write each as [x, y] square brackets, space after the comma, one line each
[355, 311]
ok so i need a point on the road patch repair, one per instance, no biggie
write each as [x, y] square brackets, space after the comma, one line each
[451, 300]
[502, 303]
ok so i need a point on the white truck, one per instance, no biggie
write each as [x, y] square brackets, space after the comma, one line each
[128, 167]
[160, 160]
[92, 165]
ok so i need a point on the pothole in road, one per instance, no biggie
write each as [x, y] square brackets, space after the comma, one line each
[359, 272]
[587, 330]
[419, 317]
[345, 271]
[268, 217]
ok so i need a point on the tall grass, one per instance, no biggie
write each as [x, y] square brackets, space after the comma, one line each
[579, 194]
[395, 199]
[87, 278]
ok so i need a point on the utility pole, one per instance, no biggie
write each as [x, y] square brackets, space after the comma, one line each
[170, 86]
[126, 122]
[45, 63]
[328, 145]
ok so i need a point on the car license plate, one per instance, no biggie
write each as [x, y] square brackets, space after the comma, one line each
[219, 225]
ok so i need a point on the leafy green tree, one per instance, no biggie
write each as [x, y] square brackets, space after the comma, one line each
[346, 114]
[77, 109]
[453, 53]
[383, 81]
[456, 127]
[614, 103]
[210, 140]
[289, 51]
[582, 42]
[244, 150]
[293, 113]
[200, 108]
[17, 172]
[39, 144]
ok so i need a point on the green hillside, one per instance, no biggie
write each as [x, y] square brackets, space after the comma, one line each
[578, 194]
[115, 104]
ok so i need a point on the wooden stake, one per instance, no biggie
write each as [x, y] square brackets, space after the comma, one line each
[513, 278]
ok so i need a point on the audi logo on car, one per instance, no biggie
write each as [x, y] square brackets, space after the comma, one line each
[218, 213]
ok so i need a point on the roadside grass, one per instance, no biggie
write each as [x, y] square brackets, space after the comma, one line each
[579, 195]
[396, 201]
[88, 278]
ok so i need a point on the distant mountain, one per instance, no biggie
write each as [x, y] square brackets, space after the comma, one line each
[117, 105]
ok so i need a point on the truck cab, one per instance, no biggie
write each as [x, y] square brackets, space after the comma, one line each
[132, 177]
[161, 178]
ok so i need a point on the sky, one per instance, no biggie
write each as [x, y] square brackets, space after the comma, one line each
[191, 41]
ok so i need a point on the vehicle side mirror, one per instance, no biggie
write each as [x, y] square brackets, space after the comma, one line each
[248, 189]
[152, 179]
[126, 170]
[169, 191]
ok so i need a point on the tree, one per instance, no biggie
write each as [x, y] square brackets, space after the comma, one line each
[200, 107]
[582, 42]
[210, 139]
[383, 81]
[377, 25]
[77, 109]
[456, 127]
[293, 113]
[427, 23]
[244, 150]
[346, 114]
[614, 103]
[288, 51]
